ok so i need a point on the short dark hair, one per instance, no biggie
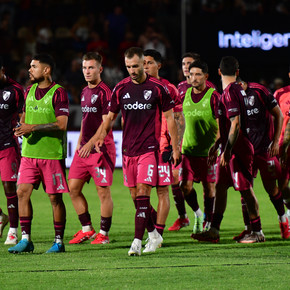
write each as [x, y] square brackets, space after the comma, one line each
[130, 52]
[153, 53]
[47, 59]
[93, 55]
[229, 65]
[193, 55]
[200, 64]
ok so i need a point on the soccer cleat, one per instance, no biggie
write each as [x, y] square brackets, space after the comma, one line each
[81, 236]
[179, 223]
[101, 239]
[206, 226]
[198, 225]
[56, 248]
[12, 239]
[23, 246]
[135, 249]
[241, 235]
[153, 244]
[207, 236]
[253, 237]
[3, 222]
[285, 230]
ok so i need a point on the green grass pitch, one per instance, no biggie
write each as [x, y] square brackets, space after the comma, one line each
[181, 263]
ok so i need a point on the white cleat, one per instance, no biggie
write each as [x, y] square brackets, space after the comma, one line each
[12, 239]
[153, 243]
[135, 249]
[3, 222]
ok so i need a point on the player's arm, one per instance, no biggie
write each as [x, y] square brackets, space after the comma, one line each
[278, 122]
[172, 128]
[213, 150]
[232, 138]
[180, 124]
[105, 128]
[285, 145]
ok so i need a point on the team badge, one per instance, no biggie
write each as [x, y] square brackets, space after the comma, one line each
[6, 95]
[94, 98]
[147, 95]
[251, 100]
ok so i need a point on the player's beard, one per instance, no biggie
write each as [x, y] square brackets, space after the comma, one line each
[37, 80]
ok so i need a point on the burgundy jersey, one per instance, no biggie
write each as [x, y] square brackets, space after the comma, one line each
[141, 106]
[259, 102]
[174, 94]
[183, 86]
[11, 105]
[60, 100]
[232, 103]
[95, 103]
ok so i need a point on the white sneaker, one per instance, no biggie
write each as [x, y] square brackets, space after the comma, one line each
[153, 243]
[3, 222]
[135, 249]
[288, 214]
[12, 239]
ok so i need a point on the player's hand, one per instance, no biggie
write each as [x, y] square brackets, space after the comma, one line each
[99, 143]
[273, 149]
[176, 157]
[86, 150]
[212, 155]
[225, 158]
[283, 156]
[23, 130]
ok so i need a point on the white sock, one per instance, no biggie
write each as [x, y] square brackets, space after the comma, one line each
[87, 228]
[283, 218]
[199, 213]
[25, 236]
[104, 233]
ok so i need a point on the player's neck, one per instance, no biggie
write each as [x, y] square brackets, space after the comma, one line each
[94, 83]
[45, 83]
[226, 80]
[199, 89]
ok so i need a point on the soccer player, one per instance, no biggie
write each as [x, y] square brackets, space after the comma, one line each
[200, 106]
[261, 105]
[183, 220]
[11, 104]
[87, 163]
[43, 128]
[236, 159]
[152, 65]
[141, 99]
[283, 96]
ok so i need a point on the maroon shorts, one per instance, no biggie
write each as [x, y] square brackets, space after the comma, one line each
[140, 169]
[165, 176]
[50, 172]
[269, 167]
[196, 169]
[237, 174]
[100, 166]
[9, 164]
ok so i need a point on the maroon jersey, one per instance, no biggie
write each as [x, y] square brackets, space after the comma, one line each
[183, 86]
[232, 103]
[141, 106]
[259, 102]
[11, 104]
[60, 99]
[95, 103]
[174, 94]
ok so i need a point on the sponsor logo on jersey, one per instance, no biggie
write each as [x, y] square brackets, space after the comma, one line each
[147, 94]
[87, 109]
[127, 96]
[196, 113]
[64, 110]
[253, 111]
[137, 106]
[6, 95]
[94, 98]
[233, 110]
[4, 106]
[39, 110]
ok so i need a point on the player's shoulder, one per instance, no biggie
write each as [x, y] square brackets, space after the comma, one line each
[157, 83]
[281, 91]
[258, 87]
[122, 84]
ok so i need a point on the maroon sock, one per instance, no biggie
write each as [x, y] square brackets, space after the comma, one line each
[217, 220]
[277, 201]
[142, 215]
[151, 220]
[25, 223]
[135, 203]
[106, 223]
[191, 199]
[0, 210]
[178, 199]
[245, 213]
[256, 224]
[160, 229]
[208, 208]
[12, 205]
[85, 219]
[59, 229]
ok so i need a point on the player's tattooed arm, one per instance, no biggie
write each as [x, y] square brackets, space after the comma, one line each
[180, 124]
[232, 138]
